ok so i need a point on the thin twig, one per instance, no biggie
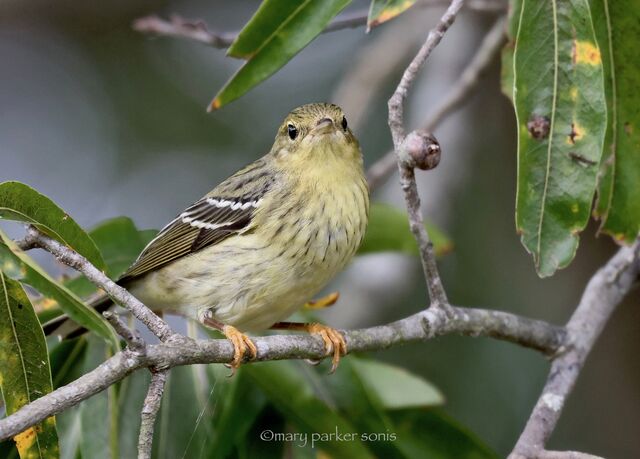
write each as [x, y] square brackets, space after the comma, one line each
[197, 30]
[605, 291]
[367, 74]
[437, 293]
[25, 244]
[424, 325]
[348, 20]
[565, 455]
[482, 59]
[178, 27]
[396, 102]
[149, 413]
[457, 95]
[120, 295]
[131, 337]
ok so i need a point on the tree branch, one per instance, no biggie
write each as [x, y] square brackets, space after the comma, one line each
[35, 238]
[437, 293]
[149, 413]
[605, 291]
[457, 95]
[159, 358]
[172, 352]
[422, 326]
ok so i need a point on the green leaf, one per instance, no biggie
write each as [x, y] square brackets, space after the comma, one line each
[430, 433]
[47, 308]
[234, 396]
[131, 394]
[21, 202]
[357, 398]
[365, 391]
[179, 432]
[262, 26]
[67, 360]
[254, 445]
[383, 10]
[25, 374]
[19, 266]
[99, 414]
[388, 230]
[395, 387]
[229, 409]
[288, 391]
[371, 395]
[276, 33]
[560, 106]
[69, 430]
[8, 450]
[617, 25]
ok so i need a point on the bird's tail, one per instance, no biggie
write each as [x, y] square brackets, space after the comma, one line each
[66, 328]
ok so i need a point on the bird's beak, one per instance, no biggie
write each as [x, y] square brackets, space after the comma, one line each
[323, 126]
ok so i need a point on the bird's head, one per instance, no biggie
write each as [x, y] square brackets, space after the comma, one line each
[315, 132]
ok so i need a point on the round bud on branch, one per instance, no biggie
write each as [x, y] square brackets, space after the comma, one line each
[421, 150]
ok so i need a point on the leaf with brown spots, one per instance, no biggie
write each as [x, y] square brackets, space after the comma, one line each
[617, 25]
[556, 84]
[25, 373]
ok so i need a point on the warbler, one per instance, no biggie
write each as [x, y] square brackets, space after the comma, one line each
[267, 239]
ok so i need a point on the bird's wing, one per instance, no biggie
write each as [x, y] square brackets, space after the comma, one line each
[225, 211]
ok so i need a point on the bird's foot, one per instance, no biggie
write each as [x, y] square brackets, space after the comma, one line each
[242, 345]
[323, 302]
[334, 343]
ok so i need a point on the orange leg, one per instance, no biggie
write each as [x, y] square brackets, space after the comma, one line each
[242, 344]
[334, 342]
[323, 302]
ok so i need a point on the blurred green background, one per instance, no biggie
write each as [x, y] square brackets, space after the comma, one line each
[109, 122]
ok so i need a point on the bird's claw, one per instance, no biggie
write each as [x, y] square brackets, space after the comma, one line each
[242, 345]
[334, 343]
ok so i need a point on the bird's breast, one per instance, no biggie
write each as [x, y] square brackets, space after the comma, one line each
[321, 230]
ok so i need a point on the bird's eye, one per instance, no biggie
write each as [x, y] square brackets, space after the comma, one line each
[344, 123]
[293, 132]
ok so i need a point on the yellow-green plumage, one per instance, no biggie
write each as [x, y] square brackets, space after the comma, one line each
[266, 240]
